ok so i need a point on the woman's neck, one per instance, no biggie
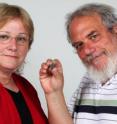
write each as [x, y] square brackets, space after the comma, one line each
[7, 81]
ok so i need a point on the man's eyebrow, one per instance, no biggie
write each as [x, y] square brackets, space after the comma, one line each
[88, 35]
[92, 32]
[76, 43]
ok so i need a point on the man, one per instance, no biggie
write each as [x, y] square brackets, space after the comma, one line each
[92, 31]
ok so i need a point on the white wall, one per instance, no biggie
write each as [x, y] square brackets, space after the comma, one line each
[50, 41]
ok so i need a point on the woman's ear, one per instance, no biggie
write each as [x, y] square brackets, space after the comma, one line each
[115, 29]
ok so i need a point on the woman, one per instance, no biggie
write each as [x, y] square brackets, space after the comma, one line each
[19, 103]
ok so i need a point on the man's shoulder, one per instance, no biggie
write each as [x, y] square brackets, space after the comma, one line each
[86, 80]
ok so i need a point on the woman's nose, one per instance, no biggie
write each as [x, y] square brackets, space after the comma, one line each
[13, 44]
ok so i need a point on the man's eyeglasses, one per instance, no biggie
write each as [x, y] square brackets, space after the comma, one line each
[6, 37]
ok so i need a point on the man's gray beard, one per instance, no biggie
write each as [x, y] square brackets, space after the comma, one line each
[106, 73]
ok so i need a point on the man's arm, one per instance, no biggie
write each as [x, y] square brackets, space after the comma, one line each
[52, 82]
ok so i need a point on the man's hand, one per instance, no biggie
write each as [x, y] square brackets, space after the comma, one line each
[51, 76]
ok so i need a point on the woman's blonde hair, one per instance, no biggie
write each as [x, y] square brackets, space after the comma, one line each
[9, 12]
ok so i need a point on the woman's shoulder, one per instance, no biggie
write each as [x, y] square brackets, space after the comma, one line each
[23, 82]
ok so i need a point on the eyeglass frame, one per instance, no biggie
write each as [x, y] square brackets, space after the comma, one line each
[21, 38]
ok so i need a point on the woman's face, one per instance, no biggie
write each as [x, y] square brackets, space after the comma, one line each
[14, 45]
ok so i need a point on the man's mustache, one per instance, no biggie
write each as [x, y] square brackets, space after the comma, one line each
[90, 57]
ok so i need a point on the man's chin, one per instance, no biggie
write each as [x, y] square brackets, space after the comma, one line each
[102, 74]
[97, 76]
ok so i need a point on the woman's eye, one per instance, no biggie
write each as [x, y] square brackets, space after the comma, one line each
[4, 37]
[21, 39]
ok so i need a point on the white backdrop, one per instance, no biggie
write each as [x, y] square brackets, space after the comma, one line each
[50, 41]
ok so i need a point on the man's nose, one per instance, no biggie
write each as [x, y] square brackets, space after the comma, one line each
[86, 51]
[89, 48]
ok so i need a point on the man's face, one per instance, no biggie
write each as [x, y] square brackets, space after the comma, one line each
[92, 40]
[94, 43]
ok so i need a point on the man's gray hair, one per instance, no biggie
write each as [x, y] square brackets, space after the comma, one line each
[106, 12]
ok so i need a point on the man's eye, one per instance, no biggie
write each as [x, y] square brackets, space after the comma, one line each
[94, 37]
[79, 45]
[4, 37]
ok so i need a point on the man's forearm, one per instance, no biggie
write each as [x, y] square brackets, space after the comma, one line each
[57, 109]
